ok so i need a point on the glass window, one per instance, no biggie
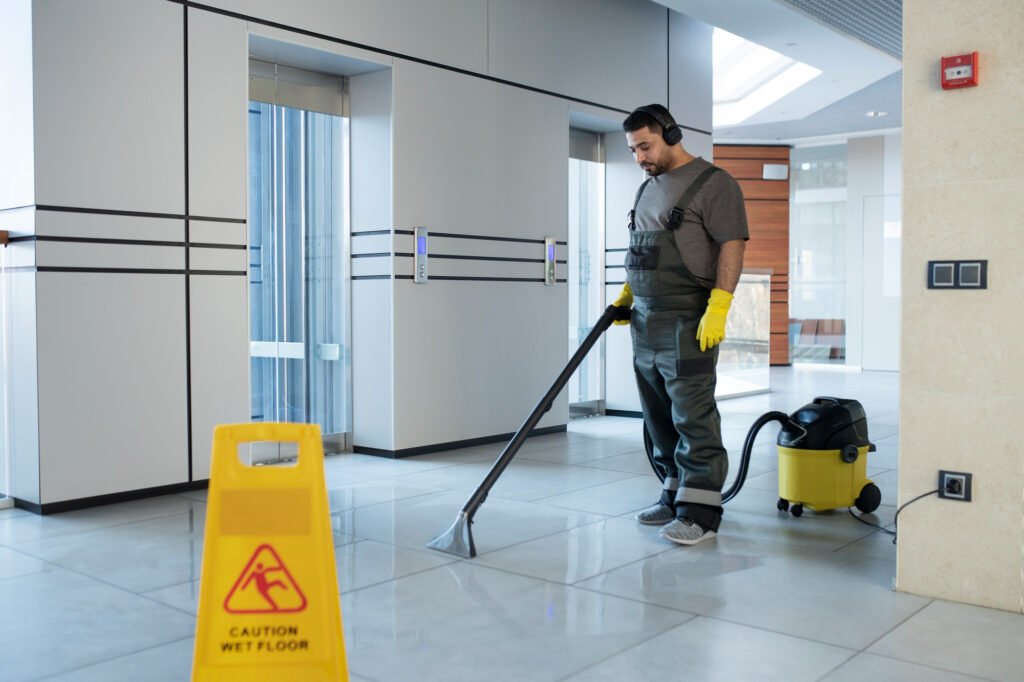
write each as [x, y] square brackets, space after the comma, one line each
[586, 266]
[817, 244]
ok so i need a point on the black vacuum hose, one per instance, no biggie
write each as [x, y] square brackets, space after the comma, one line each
[748, 447]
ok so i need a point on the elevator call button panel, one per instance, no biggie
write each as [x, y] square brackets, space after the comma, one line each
[419, 275]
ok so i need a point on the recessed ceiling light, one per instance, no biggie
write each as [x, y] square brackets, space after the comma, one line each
[872, 114]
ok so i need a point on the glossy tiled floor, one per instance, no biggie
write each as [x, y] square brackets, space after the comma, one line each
[567, 586]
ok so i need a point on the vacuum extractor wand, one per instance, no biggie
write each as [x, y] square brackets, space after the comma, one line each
[458, 539]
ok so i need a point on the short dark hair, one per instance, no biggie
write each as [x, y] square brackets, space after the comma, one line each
[640, 119]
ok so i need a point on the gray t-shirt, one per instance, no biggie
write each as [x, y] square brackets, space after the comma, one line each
[716, 215]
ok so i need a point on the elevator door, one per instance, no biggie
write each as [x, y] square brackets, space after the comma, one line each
[297, 279]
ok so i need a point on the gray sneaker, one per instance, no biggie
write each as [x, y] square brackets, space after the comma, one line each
[656, 515]
[685, 532]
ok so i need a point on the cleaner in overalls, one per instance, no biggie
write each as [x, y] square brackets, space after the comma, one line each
[687, 233]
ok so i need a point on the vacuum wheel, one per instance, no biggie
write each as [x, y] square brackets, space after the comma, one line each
[782, 505]
[870, 498]
[797, 510]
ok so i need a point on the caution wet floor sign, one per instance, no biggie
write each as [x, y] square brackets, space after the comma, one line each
[268, 596]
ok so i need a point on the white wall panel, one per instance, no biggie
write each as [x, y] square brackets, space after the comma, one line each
[610, 52]
[17, 186]
[475, 358]
[217, 103]
[111, 383]
[219, 316]
[109, 121]
[206, 232]
[93, 226]
[472, 357]
[372, 267]
[22, 386]
[371, 153]
[690, 73]
[372, 158]
[451, 32]
[372, 243]
[218, 259]
[477, 157]
[373, 410]
[78, 255]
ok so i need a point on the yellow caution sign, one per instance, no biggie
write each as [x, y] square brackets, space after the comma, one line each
[268, 594]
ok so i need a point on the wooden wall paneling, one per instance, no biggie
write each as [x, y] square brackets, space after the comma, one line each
[765, 189]
[770, 153]
[767, 204]
[742, 169]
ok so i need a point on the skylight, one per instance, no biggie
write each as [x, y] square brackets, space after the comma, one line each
[749, 77]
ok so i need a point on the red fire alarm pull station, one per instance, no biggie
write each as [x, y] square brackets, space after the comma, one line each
[960, 71]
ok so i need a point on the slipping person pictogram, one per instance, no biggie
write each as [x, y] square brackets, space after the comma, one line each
[264, 572]
[259, 574]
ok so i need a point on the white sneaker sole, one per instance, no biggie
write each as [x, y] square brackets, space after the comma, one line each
[683, 541]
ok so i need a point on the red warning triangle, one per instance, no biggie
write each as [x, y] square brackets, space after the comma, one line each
[265, 586]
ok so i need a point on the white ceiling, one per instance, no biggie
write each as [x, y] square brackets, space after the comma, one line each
[855, 43]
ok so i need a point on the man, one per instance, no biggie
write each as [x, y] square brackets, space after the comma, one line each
[688, 229]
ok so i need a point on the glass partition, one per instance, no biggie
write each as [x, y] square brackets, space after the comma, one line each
[585, 277]
[5, 389]
[743, 360]
[817, 245]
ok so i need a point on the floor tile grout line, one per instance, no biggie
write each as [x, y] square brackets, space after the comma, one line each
[115, 586]
[853, 655]
[931, 667]
[342, 594]
[113, 658]
[102, 528]
[897, 625]
[625, 651]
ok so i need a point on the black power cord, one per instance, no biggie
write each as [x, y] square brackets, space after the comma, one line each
[896, 518]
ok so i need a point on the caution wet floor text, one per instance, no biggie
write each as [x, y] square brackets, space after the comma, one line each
[268, 597]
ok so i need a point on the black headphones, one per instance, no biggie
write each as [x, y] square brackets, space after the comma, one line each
[670, 132]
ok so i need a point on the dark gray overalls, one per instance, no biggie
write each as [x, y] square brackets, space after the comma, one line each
[676, 380]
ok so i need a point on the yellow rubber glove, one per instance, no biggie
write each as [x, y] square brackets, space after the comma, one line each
[711, 330]
[624, 300]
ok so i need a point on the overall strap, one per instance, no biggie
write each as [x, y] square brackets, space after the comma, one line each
[675, 218]
[636, 202]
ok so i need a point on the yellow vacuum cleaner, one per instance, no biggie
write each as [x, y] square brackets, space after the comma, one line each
[823, 458]
[823, 450]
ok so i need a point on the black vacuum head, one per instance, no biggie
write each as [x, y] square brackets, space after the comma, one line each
[826, 424]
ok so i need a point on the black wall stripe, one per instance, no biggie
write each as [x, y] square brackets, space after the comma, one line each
[188, 280]
[367, 233]
[129, 271]
[51, 208]
[399, 55]
[452, 235]
[460, 278]
[214, 219]
[446, 256]
[124, 242]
